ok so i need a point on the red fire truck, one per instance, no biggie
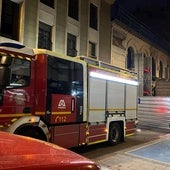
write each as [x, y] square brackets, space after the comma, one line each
[67, 101]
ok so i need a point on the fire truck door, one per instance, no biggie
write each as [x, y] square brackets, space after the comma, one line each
[64, 101]
[63, 109]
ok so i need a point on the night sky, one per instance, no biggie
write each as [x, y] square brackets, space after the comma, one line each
[154, 13]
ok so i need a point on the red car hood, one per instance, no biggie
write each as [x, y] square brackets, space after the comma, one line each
[18, 152]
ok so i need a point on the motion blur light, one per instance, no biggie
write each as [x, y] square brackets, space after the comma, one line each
[112, 78]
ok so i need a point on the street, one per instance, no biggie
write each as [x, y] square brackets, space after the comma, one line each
[119, 157]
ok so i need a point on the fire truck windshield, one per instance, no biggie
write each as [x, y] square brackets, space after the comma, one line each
[20, 73]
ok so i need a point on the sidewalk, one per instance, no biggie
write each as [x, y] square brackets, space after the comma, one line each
[152, 155]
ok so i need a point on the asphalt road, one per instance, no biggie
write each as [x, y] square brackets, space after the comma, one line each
[103, 152]
[142, 136]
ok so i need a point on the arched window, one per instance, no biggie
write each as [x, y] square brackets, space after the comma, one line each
[130, 58]
[160, 69]
[153, 69]
[167, 72]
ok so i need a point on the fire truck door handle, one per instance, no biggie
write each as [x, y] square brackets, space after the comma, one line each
[72, 104]
[81, 110]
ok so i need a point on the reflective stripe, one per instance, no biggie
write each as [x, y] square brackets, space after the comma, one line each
[53, 113]
[15, 115]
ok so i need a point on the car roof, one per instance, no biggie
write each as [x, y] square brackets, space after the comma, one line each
[18, 152]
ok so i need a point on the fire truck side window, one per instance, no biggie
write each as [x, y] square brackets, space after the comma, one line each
[20, 76]
[65, 77]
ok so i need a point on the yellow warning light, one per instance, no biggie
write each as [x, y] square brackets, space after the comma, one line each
[32, 120]
[106, 130]
[14, 119]
[87, 133]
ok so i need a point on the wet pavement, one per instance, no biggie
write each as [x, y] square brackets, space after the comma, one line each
[157, 151]
[146, 150]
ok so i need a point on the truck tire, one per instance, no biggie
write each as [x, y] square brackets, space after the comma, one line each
[115, 134]
[31, 131]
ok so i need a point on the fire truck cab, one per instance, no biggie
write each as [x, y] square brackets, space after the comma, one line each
[67, 101]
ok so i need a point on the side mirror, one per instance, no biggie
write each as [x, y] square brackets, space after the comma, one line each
[5, 60]
[5, 71]
[5, 76]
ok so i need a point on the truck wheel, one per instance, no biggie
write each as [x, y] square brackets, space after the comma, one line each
[115, 134]
[30, 131]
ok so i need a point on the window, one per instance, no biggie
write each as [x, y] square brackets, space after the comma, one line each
[63, 75]
[49, 3]
[10, 20]
[93, 16]
[160, 69]
[153, 69]
[71, 45]
[73, 9]
[167, 72]
[20, 76]
[92, 49]
[44, 37]
[130, 59]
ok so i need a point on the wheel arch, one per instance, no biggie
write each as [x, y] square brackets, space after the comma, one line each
[30, 122]
[120, 121]
[122, 126]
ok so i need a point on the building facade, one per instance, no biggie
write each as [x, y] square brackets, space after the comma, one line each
[135, 47]
[69, 27]
[84, 28]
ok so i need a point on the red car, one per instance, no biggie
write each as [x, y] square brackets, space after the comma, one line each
[18, 153]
